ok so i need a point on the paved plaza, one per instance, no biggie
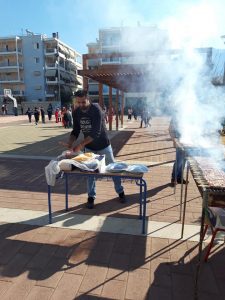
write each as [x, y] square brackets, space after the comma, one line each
[99, 253]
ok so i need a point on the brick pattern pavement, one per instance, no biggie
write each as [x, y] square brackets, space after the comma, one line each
[50, 263]
[58, 263]
[18, 179]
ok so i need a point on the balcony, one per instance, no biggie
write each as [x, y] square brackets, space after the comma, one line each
[18, 93]
[54, 80]
[50, 93]
[5, 79]
[10, 65]
[51, 66]
[10, 51]
[50, 51]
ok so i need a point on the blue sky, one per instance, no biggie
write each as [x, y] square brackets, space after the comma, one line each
[78, 21]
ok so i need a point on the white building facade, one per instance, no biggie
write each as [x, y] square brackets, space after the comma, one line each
[37, 68]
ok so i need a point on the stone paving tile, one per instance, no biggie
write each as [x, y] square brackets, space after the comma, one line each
[114, 289]
[20, 288]
[40, 292]
[93, 280]
[138, 284]
[68, 287]
[4, 287]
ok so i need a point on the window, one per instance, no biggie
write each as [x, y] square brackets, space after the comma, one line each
[37, 73]
[36, 45]
[38, 87]
[37, 60]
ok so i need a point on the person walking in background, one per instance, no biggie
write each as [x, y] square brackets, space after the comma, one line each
[70, 118]
[105, 113]
[3, 109]
[66, 118]
[134, 114]
[110, 114]
[57, 115]
[6, 110]
[42, 114]
[143, 118]
[36, 115]
[29, 113]
[129, 112]
[148, 118]
[49, 111]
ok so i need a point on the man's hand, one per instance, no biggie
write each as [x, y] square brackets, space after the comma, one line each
[78, 148]
[67, 145]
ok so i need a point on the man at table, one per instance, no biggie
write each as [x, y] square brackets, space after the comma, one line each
[89, 118]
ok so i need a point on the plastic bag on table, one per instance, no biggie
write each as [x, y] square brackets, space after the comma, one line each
[116, 167]
[137, 169]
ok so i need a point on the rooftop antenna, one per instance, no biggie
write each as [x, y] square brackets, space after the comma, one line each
[29, 32]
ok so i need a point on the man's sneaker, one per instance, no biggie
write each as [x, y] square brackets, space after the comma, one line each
[184, 181]
[90, 202]
[122, 197]
[172, 182]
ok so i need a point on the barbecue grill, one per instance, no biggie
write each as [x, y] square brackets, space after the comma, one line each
[210, 180]
[187, 150]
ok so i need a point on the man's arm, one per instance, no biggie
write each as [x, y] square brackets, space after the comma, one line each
[74, 133]
[85, 141]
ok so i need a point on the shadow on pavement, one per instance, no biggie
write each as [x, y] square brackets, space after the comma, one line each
[166, 271]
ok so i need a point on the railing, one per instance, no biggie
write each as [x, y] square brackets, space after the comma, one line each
[52, 80]
[4, 50]
[8, 79]
[50, 93]
[52, 65]
[18, 93]
[50, 50]
[11, 64]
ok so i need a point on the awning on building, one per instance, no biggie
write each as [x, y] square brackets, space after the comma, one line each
[72, 54]
[64, 49]
[51, 73]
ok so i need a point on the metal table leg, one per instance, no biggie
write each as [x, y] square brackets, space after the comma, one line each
[185, 200]
[49, 205]
[175, 172]
[143, 201]
[140, 201]
[66, 183]
[144, 205]
[204, 203]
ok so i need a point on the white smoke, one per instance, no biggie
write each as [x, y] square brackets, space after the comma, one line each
[186, 73]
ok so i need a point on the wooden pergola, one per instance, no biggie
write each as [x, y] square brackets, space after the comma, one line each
[122, 77]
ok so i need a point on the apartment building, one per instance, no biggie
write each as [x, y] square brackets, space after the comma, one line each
[139, 41]
[38, 68]
[124, 39]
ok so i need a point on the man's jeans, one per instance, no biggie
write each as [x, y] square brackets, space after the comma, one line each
[178, 164]
[109, 158]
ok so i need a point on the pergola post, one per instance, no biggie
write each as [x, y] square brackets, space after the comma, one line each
[100, 92]
[85, 67]
[122, 109]
[110, 108]
[116, 109]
